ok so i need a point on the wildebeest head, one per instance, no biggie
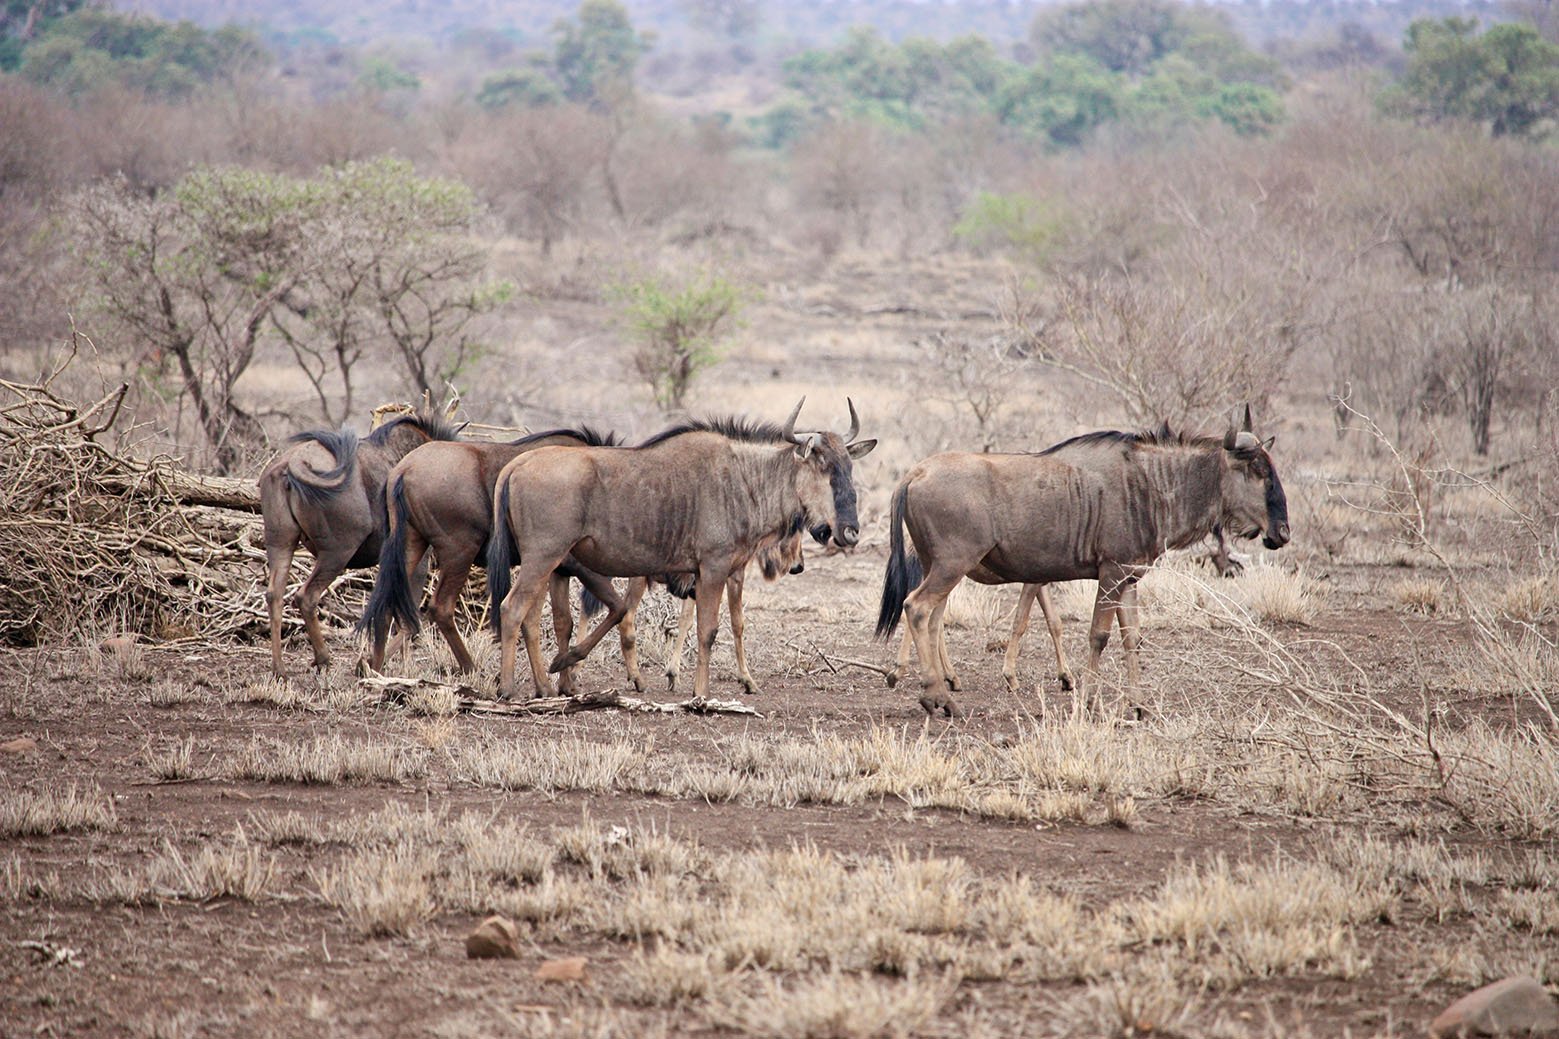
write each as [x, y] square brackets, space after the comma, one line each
[825, 481]
[1253, 500]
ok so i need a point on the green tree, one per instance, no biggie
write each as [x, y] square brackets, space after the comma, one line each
[1063, 99]
[526, 87]
[594, 55]
[1506, 79]
[679, 325]
[91, 48]
[22, 21]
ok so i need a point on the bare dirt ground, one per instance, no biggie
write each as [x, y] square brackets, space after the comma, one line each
[1246, 861]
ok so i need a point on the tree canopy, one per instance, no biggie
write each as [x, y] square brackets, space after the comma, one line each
[1506, 78]
[91, 48]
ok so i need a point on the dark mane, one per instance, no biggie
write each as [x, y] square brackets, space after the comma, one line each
[1161, 435]
[435, 426]
[586, 435]
[731, 426]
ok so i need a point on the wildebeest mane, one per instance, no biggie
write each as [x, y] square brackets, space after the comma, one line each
[435, 426]
[735, 427]
[1127, 438]
[586, 435]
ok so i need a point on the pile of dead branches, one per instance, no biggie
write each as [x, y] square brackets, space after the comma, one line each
[93, 542]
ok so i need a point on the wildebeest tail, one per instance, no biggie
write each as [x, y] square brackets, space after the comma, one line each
[589, 605]
[391, 597]
[314, 486]
[903, 572]
[500, 558]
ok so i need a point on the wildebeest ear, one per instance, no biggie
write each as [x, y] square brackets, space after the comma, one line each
[861, 448]
[1266, 445]
[805, 445]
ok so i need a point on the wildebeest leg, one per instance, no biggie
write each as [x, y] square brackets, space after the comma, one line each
[679, 643]
[1131, 638]
[919, 608]
[711, 585]
[1053, 622]
[278, 564]
[327, 568]
[562, 629]
[628, 631]
[1020, 625]
[616, 609]
[1105, 603]
[454, 570]
[901, 665]
[733, 605]
[523, 604]
[939, 632]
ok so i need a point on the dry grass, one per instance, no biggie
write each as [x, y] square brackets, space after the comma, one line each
[329, 759]
[42, 813]
[1275, 595]
[382, 891]
[1532, 601]
[569, 763]
[169, 693]
[171, 762]
[320, 694]
[238, 869]
[830, 1006]
[1420, 595]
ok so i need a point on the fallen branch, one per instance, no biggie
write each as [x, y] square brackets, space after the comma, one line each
[396, 690]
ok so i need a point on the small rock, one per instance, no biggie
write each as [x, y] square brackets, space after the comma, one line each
[1514, 1006]
[570, 968]
[117, 644]
[494, 939]
[20, 745]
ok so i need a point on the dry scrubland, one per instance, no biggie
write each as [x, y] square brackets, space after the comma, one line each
[1341, 811]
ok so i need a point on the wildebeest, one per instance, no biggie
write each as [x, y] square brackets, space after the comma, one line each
[440, 496]
[325, 491]
[701, 499]
[1100, 449]
[1034, 518]
[787, 556]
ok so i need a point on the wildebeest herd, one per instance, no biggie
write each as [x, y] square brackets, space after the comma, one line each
[692, 506]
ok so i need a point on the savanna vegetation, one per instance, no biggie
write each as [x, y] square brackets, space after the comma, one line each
[992, 226]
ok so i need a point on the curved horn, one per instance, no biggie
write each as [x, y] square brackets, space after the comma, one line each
[855, 423]
[1241, 441]
[790, 423]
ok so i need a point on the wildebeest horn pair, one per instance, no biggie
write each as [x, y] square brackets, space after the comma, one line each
[809, 440]
[1242, 439]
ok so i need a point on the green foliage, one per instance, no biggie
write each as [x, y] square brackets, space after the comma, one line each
[596, 53]
[679, 325]
[1025, 224]
[382, 76]
[1506, 79]
[525, 87]
[1063, 100]
[867, 77]
[92, 48]
[24, 20]
[1155, 61]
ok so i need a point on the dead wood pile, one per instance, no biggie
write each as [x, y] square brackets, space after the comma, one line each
[94, 542]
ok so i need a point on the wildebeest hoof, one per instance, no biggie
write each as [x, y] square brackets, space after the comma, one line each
[1067, 685]
[564, 661]
[934, 704]
[750, 687]
[953, 684]
[892, 678]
